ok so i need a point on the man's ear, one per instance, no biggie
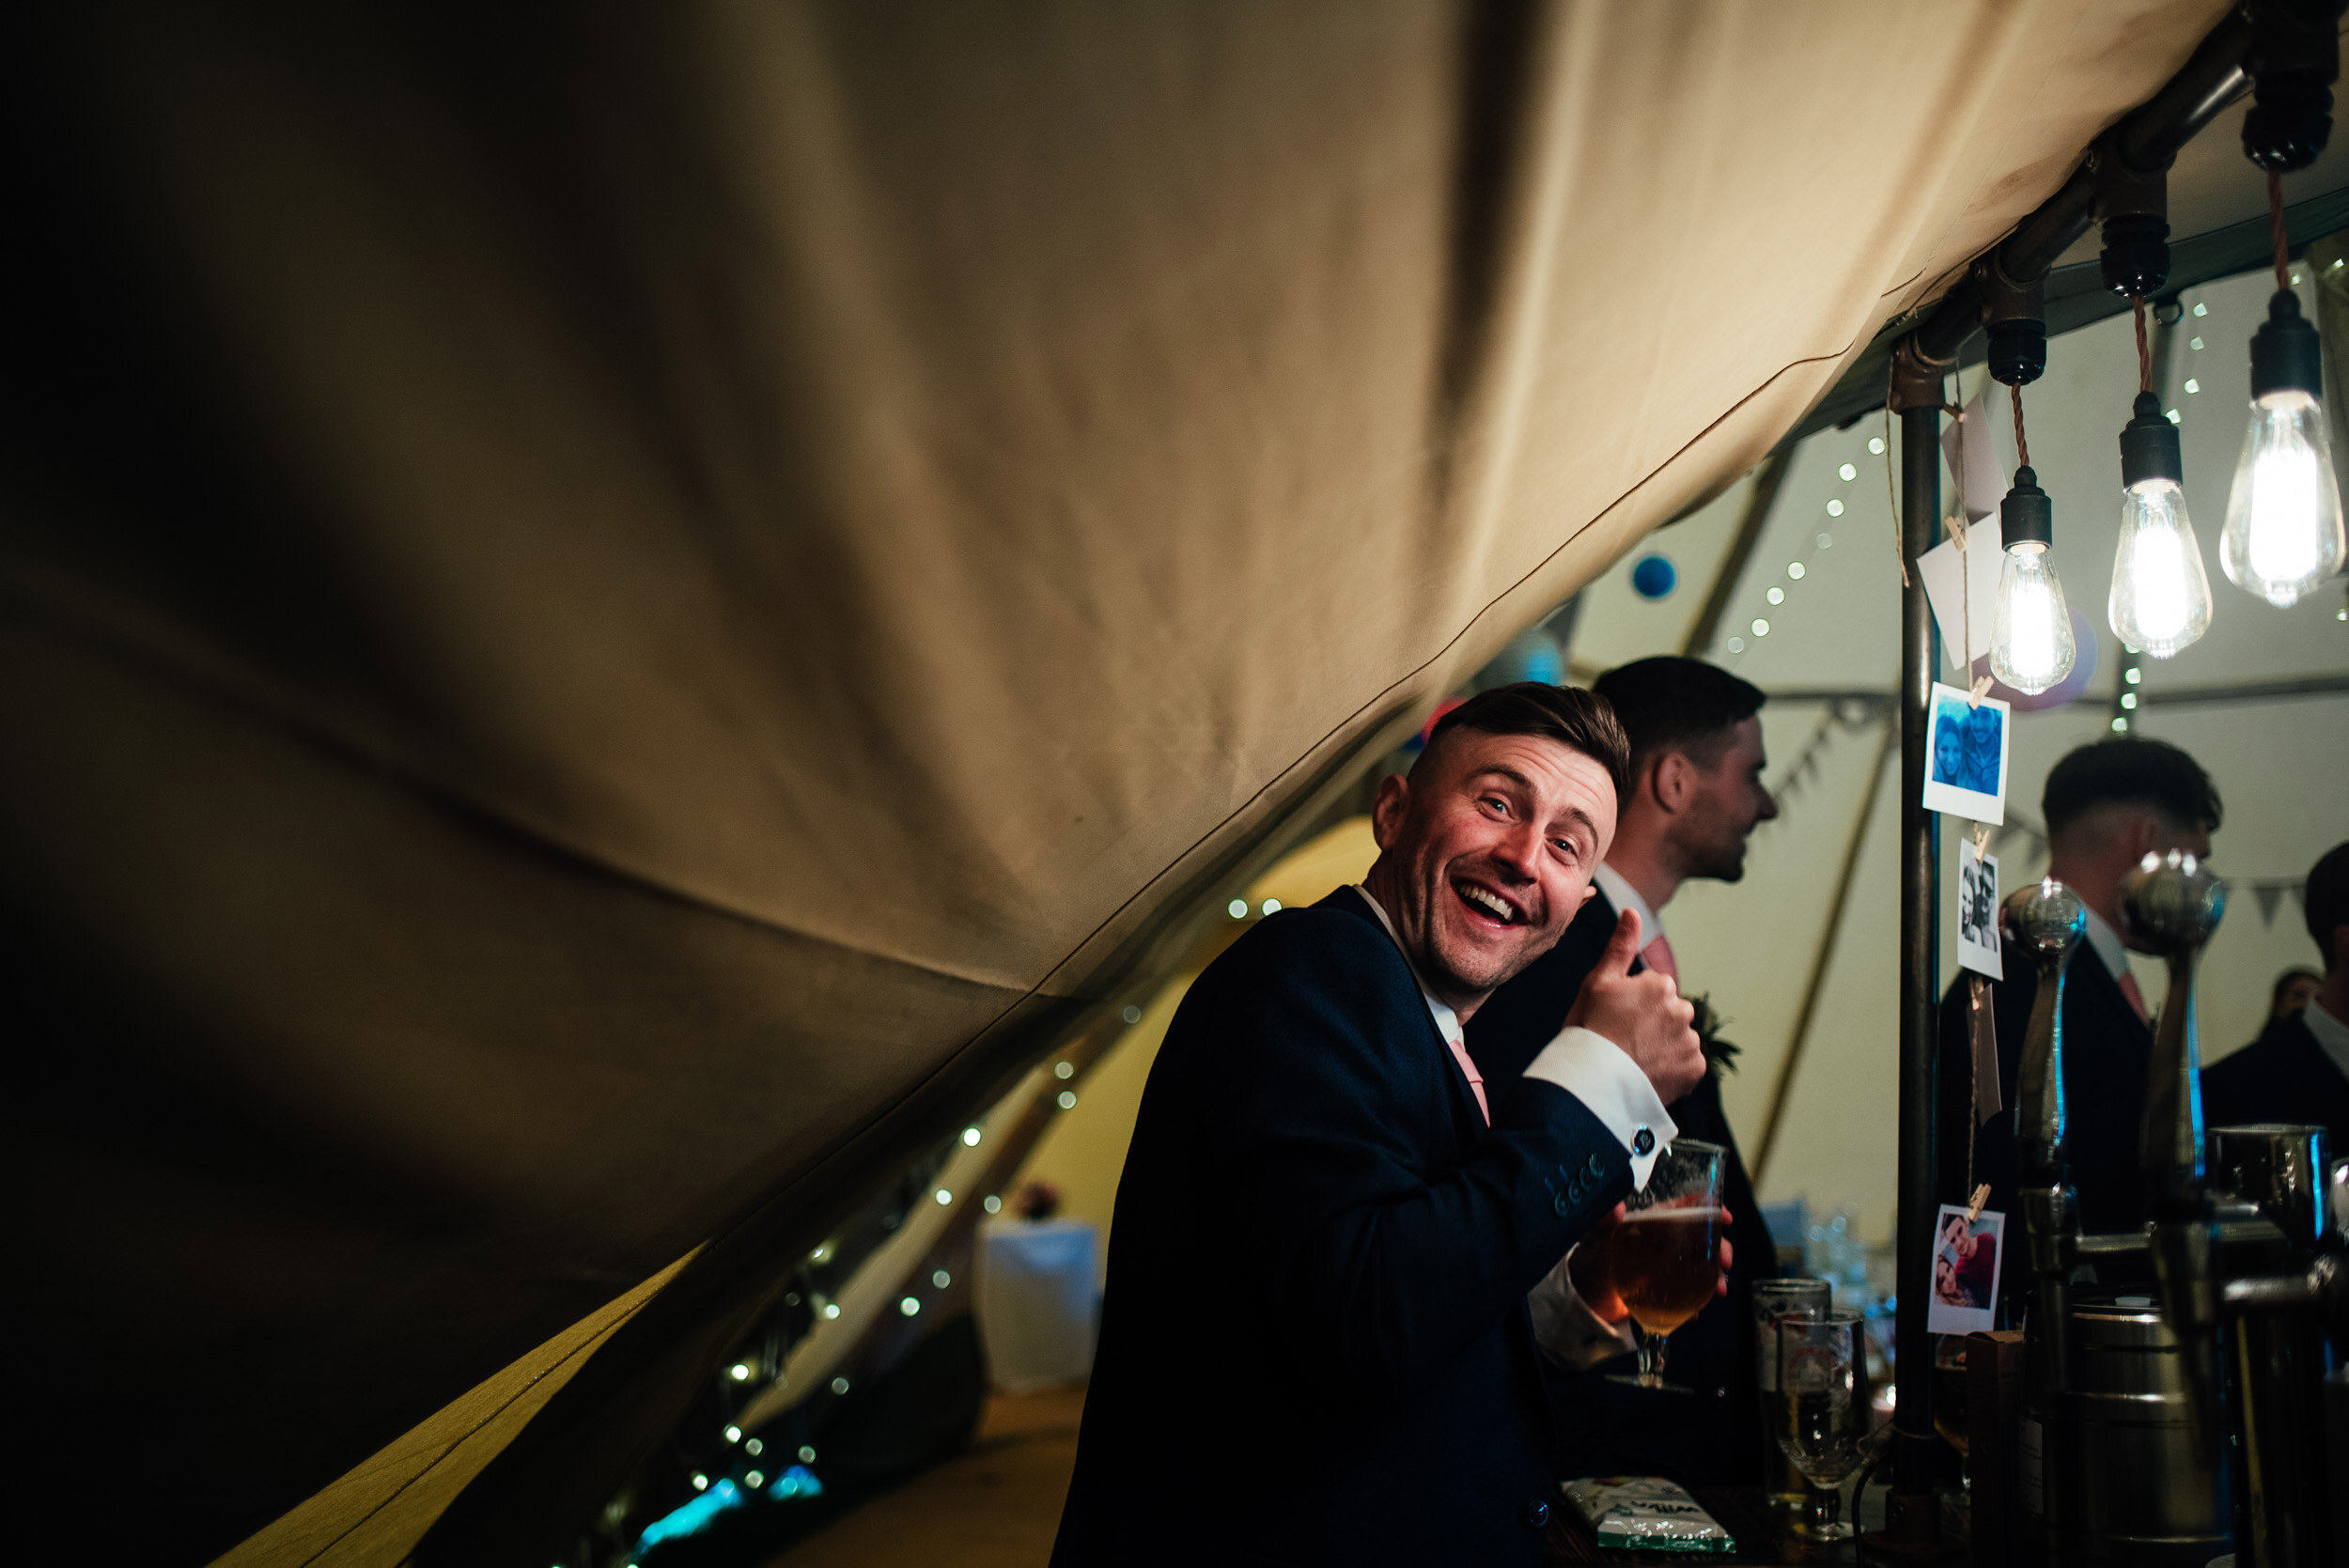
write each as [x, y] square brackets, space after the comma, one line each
[1387, 811]
[1671, 779]
[1589, 889]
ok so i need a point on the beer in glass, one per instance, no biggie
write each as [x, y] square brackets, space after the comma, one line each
[1663, 1259]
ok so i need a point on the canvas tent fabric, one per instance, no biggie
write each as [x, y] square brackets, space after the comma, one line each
[613, 616]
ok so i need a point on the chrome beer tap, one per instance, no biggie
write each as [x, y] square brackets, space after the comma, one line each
[2172, 903]
[2046, 922]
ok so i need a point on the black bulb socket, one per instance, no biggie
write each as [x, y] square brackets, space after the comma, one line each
[2018, 350]
[2290, 121]
[2136, 257]
[2286, 353]
[2026, 514]
[2148, 445]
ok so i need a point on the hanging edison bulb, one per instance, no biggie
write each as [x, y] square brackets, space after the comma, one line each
[2284, 535]
[2030, 626]
[2160, 599]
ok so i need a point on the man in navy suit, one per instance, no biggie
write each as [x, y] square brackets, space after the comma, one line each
[2297, 1070]
[1695, 796]
[2108, 805]
[1314, 1345]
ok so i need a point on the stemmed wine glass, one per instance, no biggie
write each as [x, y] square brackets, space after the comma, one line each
[1823, 1399]
[1663, 1259]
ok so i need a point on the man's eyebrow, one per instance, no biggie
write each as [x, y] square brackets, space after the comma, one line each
[1577, 813]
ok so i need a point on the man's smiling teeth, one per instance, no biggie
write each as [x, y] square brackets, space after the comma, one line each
[1478, 896]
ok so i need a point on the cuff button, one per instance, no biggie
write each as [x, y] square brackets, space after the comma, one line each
[1642, 1142]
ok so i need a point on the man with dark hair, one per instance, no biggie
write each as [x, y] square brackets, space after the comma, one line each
[1695, 795]
[1314, 1345]
[2297, 1070]
[2108, 805]
[2290, 992]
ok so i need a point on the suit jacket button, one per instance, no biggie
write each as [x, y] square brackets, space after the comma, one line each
[1564, 1205]
[1598, 1166]
[1537, 1513]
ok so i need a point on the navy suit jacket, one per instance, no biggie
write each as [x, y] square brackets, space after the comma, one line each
[1314, 1346]
[2107, 1048]
[1710, 1435]
[2283, 1076]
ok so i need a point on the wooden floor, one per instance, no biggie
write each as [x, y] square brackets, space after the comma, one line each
[995, 1505]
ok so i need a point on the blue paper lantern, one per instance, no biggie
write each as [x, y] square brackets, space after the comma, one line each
[1654, 577]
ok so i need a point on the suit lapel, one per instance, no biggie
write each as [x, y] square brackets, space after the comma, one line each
[1468, 1122]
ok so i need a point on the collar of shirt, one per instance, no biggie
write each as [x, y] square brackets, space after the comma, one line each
[1623, 896]
[2109, 948]
[1447, 1021]
[2332, 1035]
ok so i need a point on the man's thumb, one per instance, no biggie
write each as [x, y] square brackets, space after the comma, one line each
[1622, 946]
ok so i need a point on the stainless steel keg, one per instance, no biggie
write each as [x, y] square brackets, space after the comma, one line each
[2138, 1494]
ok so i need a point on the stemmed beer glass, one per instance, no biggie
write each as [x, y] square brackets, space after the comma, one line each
[1663, 1259]
[1823, 1399]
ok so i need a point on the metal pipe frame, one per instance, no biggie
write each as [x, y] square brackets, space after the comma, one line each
[1912, 1514]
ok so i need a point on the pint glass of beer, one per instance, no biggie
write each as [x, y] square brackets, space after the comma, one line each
[1663, 1259]
[1772, 1299]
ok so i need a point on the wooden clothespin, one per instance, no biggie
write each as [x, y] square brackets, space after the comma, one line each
[1973, 1205]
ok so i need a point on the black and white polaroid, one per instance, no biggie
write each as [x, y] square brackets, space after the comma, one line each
[1966, 1265]
[1966, 763]
[1978, 910]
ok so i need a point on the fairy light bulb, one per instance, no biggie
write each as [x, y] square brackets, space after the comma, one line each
[2283, 534]
[2030, 627]
[2160, 599]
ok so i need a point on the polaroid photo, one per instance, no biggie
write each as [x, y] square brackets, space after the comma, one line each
[1966, 755]
[1966, 1262]
[1978, 910]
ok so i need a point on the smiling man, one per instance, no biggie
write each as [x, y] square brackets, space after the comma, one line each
[1314, 1346]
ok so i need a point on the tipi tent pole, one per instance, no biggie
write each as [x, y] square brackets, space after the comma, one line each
[1912, 1514]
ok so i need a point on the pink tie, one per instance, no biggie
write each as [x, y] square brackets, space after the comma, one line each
[2137, 997]
[1658, 956]
[1476, 1080]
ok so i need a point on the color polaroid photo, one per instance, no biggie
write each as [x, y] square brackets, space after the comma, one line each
[1966, 1265]
[1978, 910]
[1966, 755]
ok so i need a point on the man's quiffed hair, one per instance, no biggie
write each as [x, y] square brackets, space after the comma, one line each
[2325, 898]
[1566, 714]
[1678, 705]
[2132, 770]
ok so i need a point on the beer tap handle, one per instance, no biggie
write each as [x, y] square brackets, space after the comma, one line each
[2172, 903]
[2046, 922]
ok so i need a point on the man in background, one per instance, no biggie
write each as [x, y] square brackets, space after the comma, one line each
[2292, 991]
[1695, 795]
[2108, 806]
[2297, 1070]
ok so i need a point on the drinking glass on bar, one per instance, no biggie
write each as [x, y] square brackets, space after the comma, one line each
[1825, 1394]
[1664, 1258]
[1783, 1486]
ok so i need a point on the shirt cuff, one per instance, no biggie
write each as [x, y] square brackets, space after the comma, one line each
[1571, 1335]
[1610, 1086]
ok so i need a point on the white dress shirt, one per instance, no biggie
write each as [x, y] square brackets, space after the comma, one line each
[2332, 1035]
[1623, 896]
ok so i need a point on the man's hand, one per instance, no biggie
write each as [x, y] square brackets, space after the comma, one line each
[1643, 1016]
[1586, 1267]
